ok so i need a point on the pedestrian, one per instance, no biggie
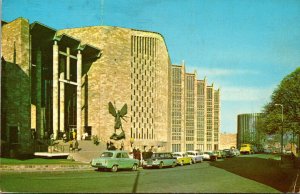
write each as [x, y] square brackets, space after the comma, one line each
[74, 134]
[138, 155]
[65, 137]
[113, 147]
[76, 145]
[71, 145]
[107, 145]
[122, 145]
[150, 153]
[134, 153]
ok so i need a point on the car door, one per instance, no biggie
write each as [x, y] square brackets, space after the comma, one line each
[126, 161]
[168, 159]
[197, 157]
[119, 160]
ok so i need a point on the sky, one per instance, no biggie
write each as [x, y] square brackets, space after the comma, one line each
[244, 47]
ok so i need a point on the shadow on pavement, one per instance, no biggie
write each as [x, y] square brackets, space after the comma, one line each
[265, 171]
[134, 189]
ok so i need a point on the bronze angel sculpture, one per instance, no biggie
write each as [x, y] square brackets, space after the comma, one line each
[120, 114]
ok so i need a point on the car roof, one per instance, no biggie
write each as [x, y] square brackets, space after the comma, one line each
[116, 151]
[162, 153]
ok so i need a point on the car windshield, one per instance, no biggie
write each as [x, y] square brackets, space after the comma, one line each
[107, 155]
[176, 155]
[157, 155]
[190, 153]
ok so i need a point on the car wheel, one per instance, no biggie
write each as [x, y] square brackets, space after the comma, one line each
[134, 167]
[191, 162]
[181, 163]
[194, 161]
[114, 168]
[174, 164]
[161, 165]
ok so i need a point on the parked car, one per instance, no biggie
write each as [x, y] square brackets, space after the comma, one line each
[219, 153]
[195, 155]
[114, 160]
[229, 153]
[236, 152]
[212, 156]
[160, 160]
[205, 156]
[247, 149]
[267, 151]
[182, 158]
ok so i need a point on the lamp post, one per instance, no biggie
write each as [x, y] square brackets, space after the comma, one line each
[281, 149]
[131, 141]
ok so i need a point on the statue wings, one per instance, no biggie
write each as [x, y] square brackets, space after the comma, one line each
[123, 111]
[113, 112]
[112, 109]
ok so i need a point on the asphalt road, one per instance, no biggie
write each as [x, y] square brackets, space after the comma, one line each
[201, 177]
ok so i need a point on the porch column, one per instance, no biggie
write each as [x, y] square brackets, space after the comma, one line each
[55, 89]
[39, 118]
[78, 105]
[62, 96]
[68, 64]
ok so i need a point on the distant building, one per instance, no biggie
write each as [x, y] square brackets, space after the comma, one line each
[247, 129]
[195, 107]
[228, 140]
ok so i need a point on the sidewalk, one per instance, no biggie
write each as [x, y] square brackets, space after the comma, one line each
[44, 167]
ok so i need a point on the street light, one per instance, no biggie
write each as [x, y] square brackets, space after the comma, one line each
[131, 141]
[281, 127]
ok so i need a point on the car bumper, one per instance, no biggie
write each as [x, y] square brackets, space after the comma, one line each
[99, 165]
[150, 165]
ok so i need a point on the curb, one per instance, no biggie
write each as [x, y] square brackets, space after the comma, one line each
[44, 167]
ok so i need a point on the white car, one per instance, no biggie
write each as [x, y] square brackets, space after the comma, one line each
[236, 152]
[203, 155]
[196, 157]
[206, 155]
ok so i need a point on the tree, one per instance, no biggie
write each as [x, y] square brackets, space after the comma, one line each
[287, 94]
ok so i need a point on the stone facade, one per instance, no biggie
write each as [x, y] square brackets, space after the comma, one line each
[228, 141]
[133, 69]
[15, 85]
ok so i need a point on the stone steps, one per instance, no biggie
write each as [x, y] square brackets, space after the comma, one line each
[87, 150]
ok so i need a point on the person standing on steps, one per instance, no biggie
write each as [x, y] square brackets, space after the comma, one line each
[122, 145]
[107, 145]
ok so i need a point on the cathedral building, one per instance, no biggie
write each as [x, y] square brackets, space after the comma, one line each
[56, 82]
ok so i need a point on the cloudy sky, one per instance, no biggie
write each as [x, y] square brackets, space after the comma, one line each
[244, 47]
